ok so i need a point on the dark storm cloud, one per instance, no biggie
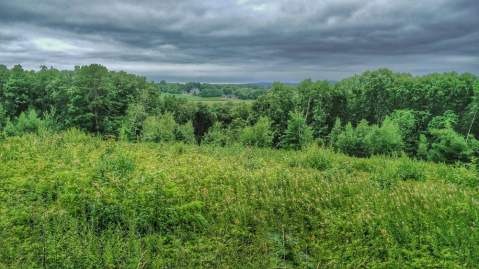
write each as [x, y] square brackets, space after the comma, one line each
[243, 40]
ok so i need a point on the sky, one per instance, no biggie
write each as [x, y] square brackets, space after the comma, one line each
[243, 40]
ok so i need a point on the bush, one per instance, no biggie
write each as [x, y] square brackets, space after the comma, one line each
[298, 134]
[352, 141]
[409, 170]
[448, 146]
[406, 121]
[385, 139]
[27, 122]
[132, 125]
[186, 133]
[217, 135]
[365, 140]
[259, 135]
[159, 129]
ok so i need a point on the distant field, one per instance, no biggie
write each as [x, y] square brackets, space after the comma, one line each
[209, 100]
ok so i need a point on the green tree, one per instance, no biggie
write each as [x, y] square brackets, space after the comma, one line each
[27, 122]
[335, 132]
[159, 129]
[186, 133]
[448, 146]
[17, 91]
[386, 139]
[132, 126]
[259, 135]
[217, 135]
[91, 98]
[298, 134]
[353, 141]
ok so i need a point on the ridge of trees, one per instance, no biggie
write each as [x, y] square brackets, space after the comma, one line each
[431, 117]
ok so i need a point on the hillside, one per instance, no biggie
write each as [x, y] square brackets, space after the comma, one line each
[73, 201]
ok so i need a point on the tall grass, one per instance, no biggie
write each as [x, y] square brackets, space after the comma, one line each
[74, 201]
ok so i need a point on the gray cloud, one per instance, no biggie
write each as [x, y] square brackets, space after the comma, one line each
[243, 40]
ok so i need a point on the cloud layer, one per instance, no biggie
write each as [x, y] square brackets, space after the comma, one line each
[243, 40]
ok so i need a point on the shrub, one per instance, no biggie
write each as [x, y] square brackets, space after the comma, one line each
[365, 140]
[186, 133]
[159, 129]
[448, 146]
[352, 140]
[448, 120]
[27, 122]
[409, 170]
[335, 132]
[217, 135]
[132, 125]
[423, 147]
[317, 159]
[298, 134]
[407, 124]
[385, 139]
[259, 135]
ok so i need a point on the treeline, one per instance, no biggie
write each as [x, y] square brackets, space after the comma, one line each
[240, 91]
[432, 117]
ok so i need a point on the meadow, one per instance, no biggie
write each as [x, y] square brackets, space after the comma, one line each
[208, 100]
[72, 200]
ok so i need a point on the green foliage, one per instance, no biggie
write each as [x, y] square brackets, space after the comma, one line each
[423, 147]
[335, 132]
[211, 92]
[217, 136]
[448, 120]
[94, 203]
[365, 140]
[3, 117]
[116, 104]
[132, 126]
[259, 135]
[298, 134]
[353, 141]
[186, 133]
[448, 146]
[27, 122]
[159, 129]
[385, 139]
[408, 127]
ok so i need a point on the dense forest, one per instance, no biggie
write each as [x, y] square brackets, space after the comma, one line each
[432, 117]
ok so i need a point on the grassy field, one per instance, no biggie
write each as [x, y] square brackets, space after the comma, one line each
[209, 100]
[73, 201]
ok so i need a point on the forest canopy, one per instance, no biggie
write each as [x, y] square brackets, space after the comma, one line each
[432, 117]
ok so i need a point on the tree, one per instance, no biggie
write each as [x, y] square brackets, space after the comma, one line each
[423, 147]
[27, 122]
[298, 134]
[91, 98]
[353, 141]
[277, 104]
[17, 92]
[217, 135]
[335, 132]
[132, 126]
[259, 135]
[186, 133]
[159, 129]
[448, 146]
[385, 139]
[406, 121]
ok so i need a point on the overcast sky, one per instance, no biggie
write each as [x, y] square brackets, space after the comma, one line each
[243, 40]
